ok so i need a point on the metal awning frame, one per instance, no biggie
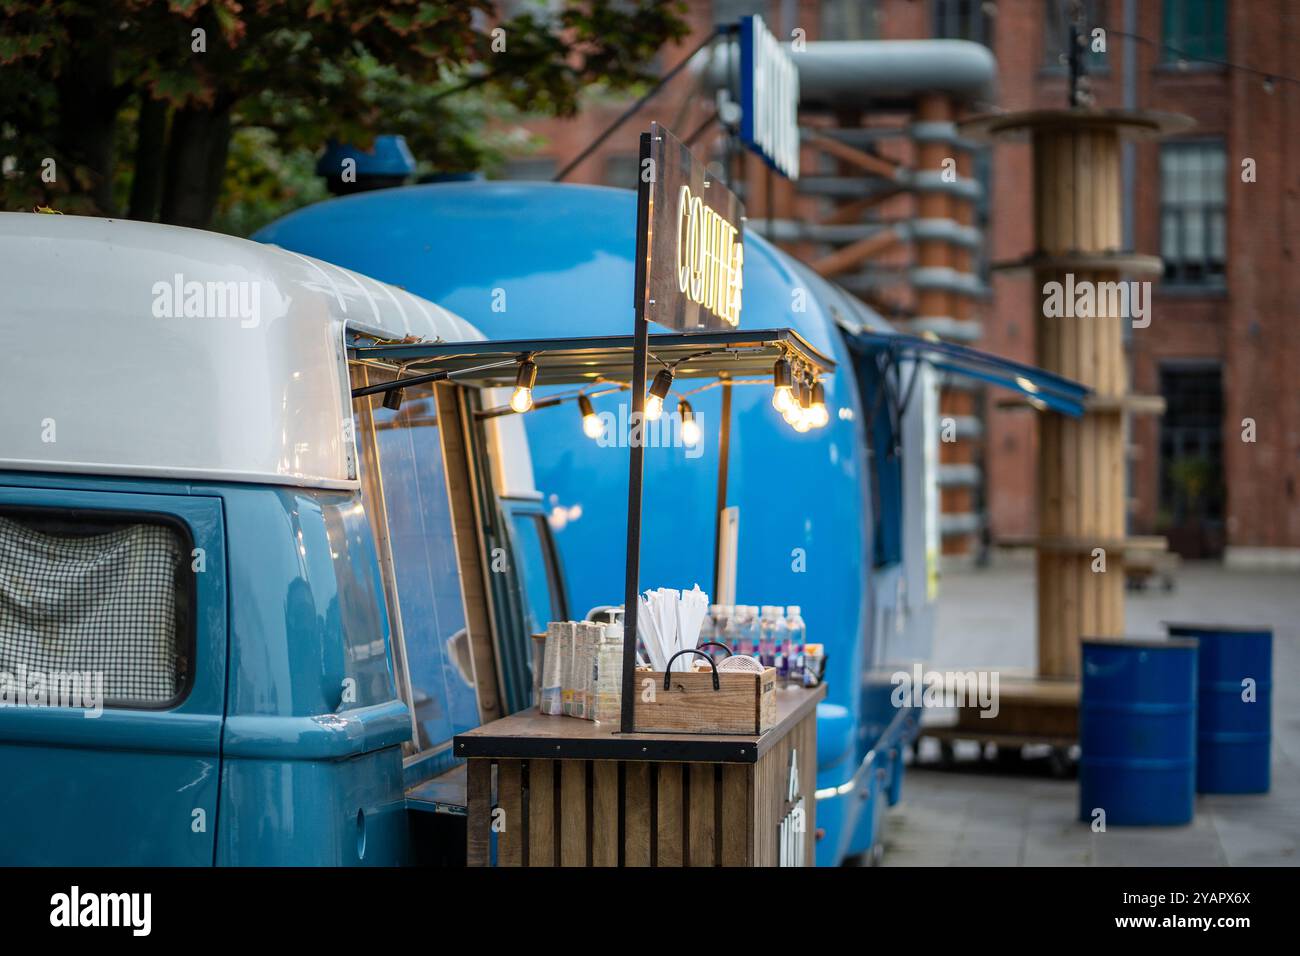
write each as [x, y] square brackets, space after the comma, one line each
[589, 359]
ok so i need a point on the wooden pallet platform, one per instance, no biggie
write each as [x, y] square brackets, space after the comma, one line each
[1038, 708]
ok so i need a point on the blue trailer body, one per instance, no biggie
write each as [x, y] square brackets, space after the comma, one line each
[529, 259]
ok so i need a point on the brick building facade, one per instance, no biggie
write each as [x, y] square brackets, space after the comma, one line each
[1220, 203]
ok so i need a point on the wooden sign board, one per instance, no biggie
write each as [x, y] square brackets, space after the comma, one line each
[695, 254]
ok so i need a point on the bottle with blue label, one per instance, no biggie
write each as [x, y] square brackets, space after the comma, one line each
[797, 634]
[747, 625]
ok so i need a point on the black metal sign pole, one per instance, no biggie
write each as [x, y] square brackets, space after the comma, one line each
[640, 350]
[724, 453]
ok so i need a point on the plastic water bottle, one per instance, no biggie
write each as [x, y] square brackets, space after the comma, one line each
[798, 637]
[747, 622]
[781, 646]
[708, 630]
[767, 636]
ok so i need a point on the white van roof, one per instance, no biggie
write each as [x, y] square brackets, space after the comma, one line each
[138, 349]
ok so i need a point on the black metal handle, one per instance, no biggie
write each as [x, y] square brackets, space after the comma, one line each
[668, 671]
[716, 644]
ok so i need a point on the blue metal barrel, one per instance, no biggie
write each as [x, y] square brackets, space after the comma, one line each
[1233, 731]
[1137, 731]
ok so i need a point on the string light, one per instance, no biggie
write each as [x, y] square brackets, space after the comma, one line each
[654, 403]
[818, 416]
[522, 399]
[592, 426]
[782, 377]
[804, 410]
[690, 427]
[792, 413]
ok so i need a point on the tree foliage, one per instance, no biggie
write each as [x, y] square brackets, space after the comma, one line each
[182, 110]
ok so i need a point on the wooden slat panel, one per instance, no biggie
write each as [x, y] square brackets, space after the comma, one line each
[737, 783]
[636, 814]
[669, 807]
[478, 795]
[604, 813]
[703, 796]
[541, 813]
[510, 799]
[573, 813]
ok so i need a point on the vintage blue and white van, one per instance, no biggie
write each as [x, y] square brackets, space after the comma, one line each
[241, 615]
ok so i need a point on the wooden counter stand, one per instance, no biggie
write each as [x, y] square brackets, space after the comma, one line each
[572, 792]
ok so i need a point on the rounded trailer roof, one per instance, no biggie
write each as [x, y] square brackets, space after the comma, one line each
[139, 349]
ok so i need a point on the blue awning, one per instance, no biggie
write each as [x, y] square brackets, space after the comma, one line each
[1044, 390]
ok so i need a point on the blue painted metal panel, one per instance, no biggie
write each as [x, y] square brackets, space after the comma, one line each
[132, 786]
[1233, 719]
[313, 763]
[1137, 732]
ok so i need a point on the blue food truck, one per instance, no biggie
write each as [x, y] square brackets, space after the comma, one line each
[251, 589]
[841, 520]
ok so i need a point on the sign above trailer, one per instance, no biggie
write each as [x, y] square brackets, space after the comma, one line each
[694, 241]
[769, 98]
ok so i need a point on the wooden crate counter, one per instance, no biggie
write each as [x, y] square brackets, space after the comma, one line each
[572, 792]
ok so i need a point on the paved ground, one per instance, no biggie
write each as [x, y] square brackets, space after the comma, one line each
[1017, 814]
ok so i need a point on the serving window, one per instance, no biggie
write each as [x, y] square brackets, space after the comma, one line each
[404, 489]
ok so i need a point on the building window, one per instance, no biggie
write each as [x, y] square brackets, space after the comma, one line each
[848, 20]
[539, 168]
[1191, 458]
[1194, 29]
[621, 170]
[1192, 240]
[963, 20]
[1056, 34]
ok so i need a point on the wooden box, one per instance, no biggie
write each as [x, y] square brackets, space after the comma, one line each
[740, 704]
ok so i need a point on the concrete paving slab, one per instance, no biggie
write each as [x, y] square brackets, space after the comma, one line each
[982, 814]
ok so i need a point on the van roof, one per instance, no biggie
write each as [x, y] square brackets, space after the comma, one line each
[140, 349]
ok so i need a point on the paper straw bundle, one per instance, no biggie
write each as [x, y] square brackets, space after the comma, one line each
[669, 621]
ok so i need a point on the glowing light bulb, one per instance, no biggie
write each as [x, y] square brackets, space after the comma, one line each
[522, 399]
[691, 433]
[592, 426]
[782, 379]
[654, 402]
[654, 407]
[818, 416]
